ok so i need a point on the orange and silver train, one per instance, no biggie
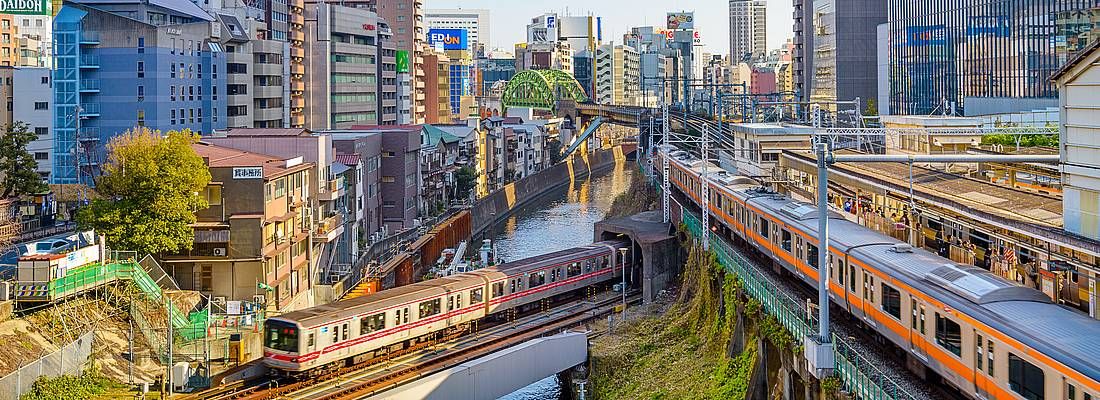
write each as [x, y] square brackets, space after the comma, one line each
[359, 329]
[986, 336]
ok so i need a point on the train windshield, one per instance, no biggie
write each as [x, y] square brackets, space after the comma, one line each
[280, 335]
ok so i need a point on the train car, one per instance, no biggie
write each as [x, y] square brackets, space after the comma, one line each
[356, 330]
[981, 333]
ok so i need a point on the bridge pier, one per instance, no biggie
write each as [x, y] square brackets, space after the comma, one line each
[658, 250]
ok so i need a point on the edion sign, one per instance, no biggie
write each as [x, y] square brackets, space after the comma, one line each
[450, 39]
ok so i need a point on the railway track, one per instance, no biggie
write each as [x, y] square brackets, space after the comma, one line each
[424, 359]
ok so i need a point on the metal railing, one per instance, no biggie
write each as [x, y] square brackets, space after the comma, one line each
[860, 376]
[68, 360]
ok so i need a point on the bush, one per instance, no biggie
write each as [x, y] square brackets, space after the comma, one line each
[65, 387]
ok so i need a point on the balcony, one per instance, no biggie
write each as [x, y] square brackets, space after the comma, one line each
[331, 191]
[89, 110]
[89, 132]
[329, 229]
[89, 38]
[89, 61]
[89, 85]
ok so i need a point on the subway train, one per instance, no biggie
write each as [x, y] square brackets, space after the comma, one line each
[356, 330]
[981, 333]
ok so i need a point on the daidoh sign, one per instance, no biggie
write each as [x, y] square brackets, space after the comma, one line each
[24, 7]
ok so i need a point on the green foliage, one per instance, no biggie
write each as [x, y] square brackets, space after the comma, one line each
[831, 384]
[1029, 140]
[872, 108]
[88, 385]
[770, 329]
[733, 376]
[17, 165]
[149, 192]
[465, 181]
[554, 146]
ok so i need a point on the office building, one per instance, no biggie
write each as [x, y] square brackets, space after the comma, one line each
[802, 60]
[254, 231]
[460, 71]
[32, 87]
[437, 87]
[584, 71]
[147, 65]
[844, 59]
[544, 55]
[583, 32]
[543, 28]
[748, 29]
[617, 75]
[474, 21]
[997, 56]
[255, 73]
[493, 70]
[654, 54]
[352, 68]
[406, 21]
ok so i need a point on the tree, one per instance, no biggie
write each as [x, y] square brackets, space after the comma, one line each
[149, 192]
[465, 181]
[17, 164]
[872, 108]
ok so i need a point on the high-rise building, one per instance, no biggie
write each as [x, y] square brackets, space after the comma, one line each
[493, 70]
[584, 32]
[543, 28]
[352, 73]
[454, 43]
[965, 57]
[437, 84]
[257, 67]
[584, 71]
[406, 19]
[9, 41]
[844, 60]
[35, 40]
[748, 29]
[802, 57]
[153, 66]
[653, 51]
[617, 75]
[544, 55]
[474, 21]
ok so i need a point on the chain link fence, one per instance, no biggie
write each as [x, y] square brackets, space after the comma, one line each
[68, 360]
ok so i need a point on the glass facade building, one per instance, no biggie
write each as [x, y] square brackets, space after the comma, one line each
[460, 85]
[944, 51]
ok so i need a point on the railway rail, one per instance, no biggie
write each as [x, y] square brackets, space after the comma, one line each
[397, 368]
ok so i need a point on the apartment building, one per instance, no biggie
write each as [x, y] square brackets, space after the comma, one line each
[257, 74]
[253, 241]
[437, 87]
[33, 88]
[399, 168]
[618, 75]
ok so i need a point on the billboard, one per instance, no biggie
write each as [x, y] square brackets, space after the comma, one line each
[402, 61]
[989, 25]
[450, 39]
[920, 36]
[681, 20]
[25, 7]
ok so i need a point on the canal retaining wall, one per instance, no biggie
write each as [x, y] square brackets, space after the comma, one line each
[500, 204]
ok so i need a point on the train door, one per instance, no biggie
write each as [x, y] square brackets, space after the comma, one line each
[917, 342]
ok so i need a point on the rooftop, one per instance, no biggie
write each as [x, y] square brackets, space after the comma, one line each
[348, 159]
[266, 132]
[225, 157]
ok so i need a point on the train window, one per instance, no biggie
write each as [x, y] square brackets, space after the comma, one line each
[840, 272]
[949, 335]
[476, 296]
[913, 312]
[588, 266]
[450, 303]
[336, 334]
[989, 364]
[498, 289]
[310, 340]
[606, 262]
[574, 269]
[429, 308]
[851, 279]
[512, 289]
[405, 315]
[1025, 379]
[811, 256]
[372, 323]
[1071, 392]
[282, 336]
[922, 325]
[536, 279]
[764, 228]
[891, 301]
[458, 300]
[344, 332]
[979, 351]
[554, 275]
[1088, 396]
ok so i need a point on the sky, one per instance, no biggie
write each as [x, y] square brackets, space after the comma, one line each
[509, 18]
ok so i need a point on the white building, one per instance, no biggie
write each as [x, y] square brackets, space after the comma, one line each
[474, 21]
[33, 92]
[1078, 96]
[748, 29]
[580, 32]
[36, 33]
[618, 75]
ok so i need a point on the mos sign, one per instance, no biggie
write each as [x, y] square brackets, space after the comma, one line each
[450, 39]
[24, 7]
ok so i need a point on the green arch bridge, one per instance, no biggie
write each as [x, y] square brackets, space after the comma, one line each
[541, 89]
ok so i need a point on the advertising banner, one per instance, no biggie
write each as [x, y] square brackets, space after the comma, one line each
[919, 36]
[25, 7]
[450, 39]
[681, 20]
[402, 61]
[989, 25]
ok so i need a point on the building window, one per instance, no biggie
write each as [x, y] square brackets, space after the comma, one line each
[191, 93]
[191, 115]
[199, 115]
[41, 156]
[1025, 379]
[41, 131]
[140, 93]
[141, 45]
[141, 70]
[172, 92]
[141, 117]
[45, 80]
[41, 105]
[173, 120]
[173, 70]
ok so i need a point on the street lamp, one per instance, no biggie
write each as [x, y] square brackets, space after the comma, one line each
[622, 250]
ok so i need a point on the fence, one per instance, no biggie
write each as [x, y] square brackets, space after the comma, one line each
[68, 360]
[860, 376]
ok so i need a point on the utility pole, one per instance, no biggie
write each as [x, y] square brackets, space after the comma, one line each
[664, 158]
[704, 183]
